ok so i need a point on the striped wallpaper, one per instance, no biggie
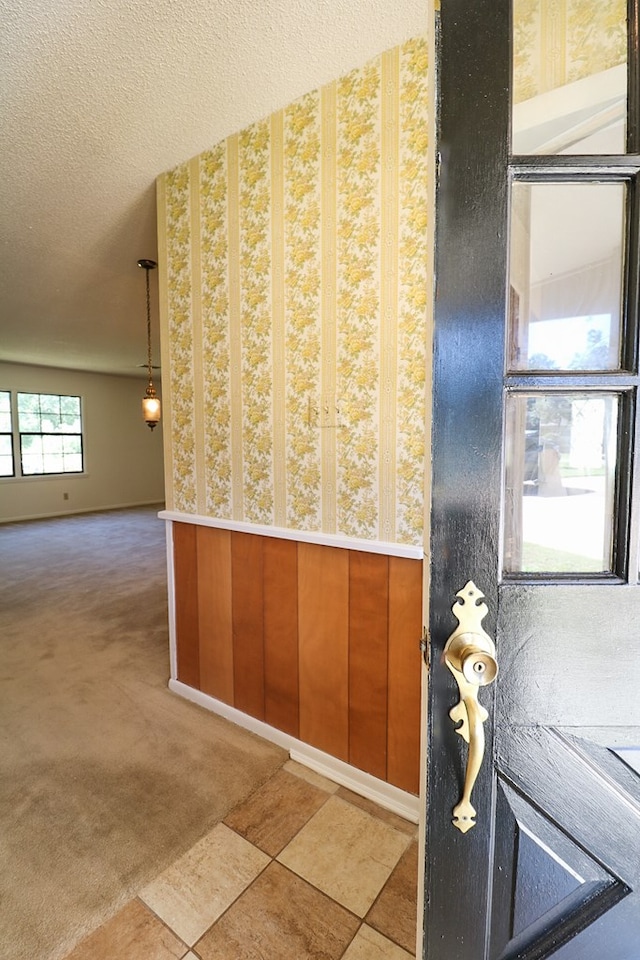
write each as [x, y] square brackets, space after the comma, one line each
[294, 289]
[560, 41]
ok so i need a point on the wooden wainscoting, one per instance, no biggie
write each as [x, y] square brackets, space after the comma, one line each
[319, 642]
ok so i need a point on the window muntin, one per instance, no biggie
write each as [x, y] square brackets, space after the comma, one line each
[50, 427]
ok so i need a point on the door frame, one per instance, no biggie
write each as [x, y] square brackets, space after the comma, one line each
[453, 272]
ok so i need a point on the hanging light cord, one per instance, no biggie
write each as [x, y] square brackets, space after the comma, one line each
[148, 265]
[148, 325]
[150, 402]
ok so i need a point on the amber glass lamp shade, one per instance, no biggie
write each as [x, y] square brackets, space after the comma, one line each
[151, 407]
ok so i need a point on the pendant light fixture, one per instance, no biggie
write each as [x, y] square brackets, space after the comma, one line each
[150, 402]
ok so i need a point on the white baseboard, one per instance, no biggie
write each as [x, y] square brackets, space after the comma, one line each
[391, 798]
[57, 514]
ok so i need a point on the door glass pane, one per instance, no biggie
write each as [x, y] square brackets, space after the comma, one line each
[569, 76]
[560, 479]
[565, 275]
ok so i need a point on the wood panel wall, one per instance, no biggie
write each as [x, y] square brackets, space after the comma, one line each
[319, 642]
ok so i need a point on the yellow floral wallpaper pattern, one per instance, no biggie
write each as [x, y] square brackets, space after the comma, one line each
[360, 323]
[295, 323]
[181, 373]
[413, 293]
[216, 342]
[559, 41]
[302, 270]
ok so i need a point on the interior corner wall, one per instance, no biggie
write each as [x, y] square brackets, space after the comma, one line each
[294, 291]
[123, 458]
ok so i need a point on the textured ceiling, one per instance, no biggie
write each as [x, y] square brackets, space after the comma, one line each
[97, 97]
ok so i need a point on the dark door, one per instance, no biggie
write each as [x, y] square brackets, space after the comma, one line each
[535, 487]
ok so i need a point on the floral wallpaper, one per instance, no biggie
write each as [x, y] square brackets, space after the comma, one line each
[295, 311]
[302, 274]
[413, 293]
[216, 341]
[296, 287]
[579, 38]
[360, 282]
[181, 383]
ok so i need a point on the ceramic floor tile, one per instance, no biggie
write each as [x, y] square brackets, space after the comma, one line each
[306, 773]
[387, 816]
[132, 934]
[371, 945]
[346, 853]
[395, 911]
[200, 886]
[275, 813]
[279, 917]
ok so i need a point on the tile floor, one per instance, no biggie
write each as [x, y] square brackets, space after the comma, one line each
[302, 870]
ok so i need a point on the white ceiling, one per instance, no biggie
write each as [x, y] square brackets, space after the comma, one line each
[97, 97]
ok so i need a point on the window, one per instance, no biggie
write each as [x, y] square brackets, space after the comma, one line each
[7, 468]
[50, 428]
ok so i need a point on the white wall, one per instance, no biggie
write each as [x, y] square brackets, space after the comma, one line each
[123, 458]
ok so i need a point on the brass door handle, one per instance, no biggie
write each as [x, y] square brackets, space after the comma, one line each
[470, 655]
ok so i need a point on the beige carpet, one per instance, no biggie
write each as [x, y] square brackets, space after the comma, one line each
[105, 776]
